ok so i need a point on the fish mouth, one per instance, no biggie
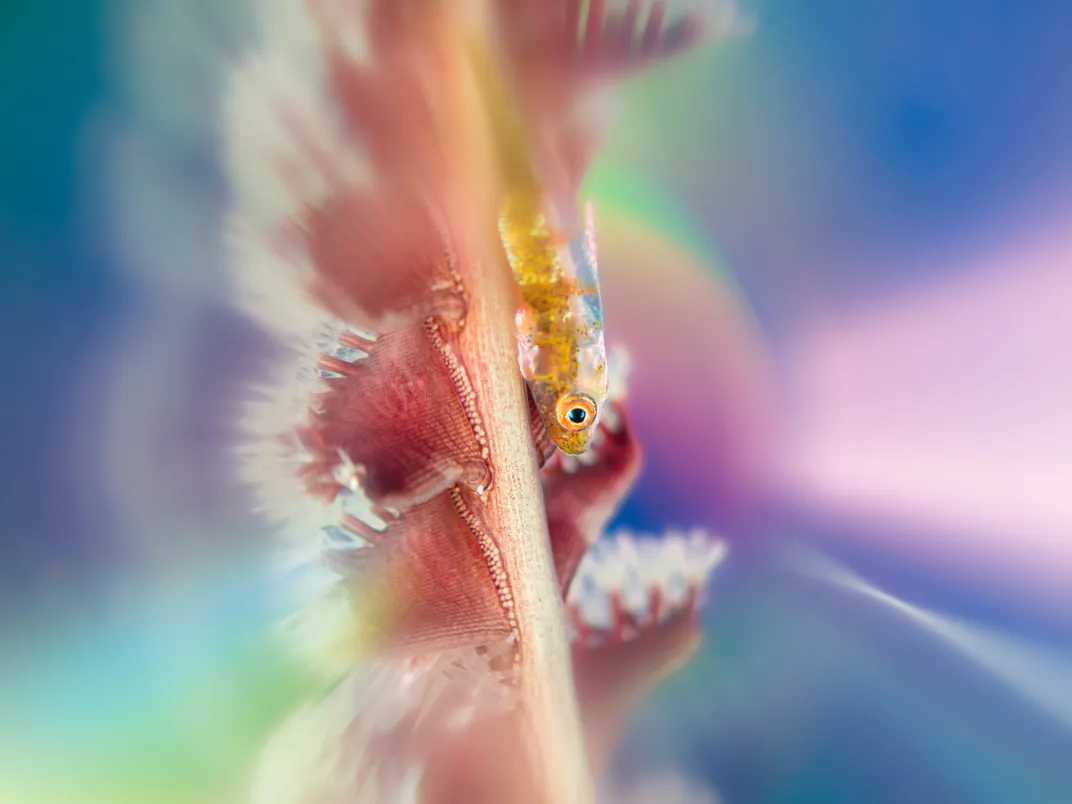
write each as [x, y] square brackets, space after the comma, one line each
[571, 447]
[571, 443]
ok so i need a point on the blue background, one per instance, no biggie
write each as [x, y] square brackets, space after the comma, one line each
[887, 127]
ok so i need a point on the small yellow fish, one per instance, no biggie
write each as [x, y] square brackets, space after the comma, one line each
[559, 320]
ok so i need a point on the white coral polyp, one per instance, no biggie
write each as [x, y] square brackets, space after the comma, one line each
[635, 569]
[661, 788]
[286, 149]
[286, 142]
[702, 555]
[331, 751]
[326, 751]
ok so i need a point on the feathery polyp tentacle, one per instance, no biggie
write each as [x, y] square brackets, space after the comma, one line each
[634, 606]
[399, 415]
[429, 576]
[638, 581]
[560, 54]
[382, 260]
[319, 145]
[368, 740]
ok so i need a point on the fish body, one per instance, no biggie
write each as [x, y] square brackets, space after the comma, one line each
[551, 248]
[561, 350]
[554, 58]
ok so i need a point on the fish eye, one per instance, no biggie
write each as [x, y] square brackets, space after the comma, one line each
[576, 412]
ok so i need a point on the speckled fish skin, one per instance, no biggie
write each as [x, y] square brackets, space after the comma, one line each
[551, 248]
[561, 350]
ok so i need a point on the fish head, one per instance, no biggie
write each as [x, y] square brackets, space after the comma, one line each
[570, 410]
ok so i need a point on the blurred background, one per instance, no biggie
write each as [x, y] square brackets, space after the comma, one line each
[839, 250]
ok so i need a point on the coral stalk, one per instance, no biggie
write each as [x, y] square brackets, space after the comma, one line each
[514, 511]
[433, 529]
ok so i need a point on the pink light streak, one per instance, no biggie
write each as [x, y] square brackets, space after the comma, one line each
[946, 412]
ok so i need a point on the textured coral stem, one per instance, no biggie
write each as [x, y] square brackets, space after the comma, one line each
[513, 513]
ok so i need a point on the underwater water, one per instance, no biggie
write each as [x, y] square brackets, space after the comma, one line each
[837, 250]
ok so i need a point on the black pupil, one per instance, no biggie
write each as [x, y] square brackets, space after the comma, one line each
[578, 415]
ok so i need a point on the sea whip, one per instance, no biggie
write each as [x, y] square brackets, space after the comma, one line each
[397, 446]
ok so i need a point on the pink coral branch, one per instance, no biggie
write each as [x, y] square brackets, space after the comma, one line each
[401, 454]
